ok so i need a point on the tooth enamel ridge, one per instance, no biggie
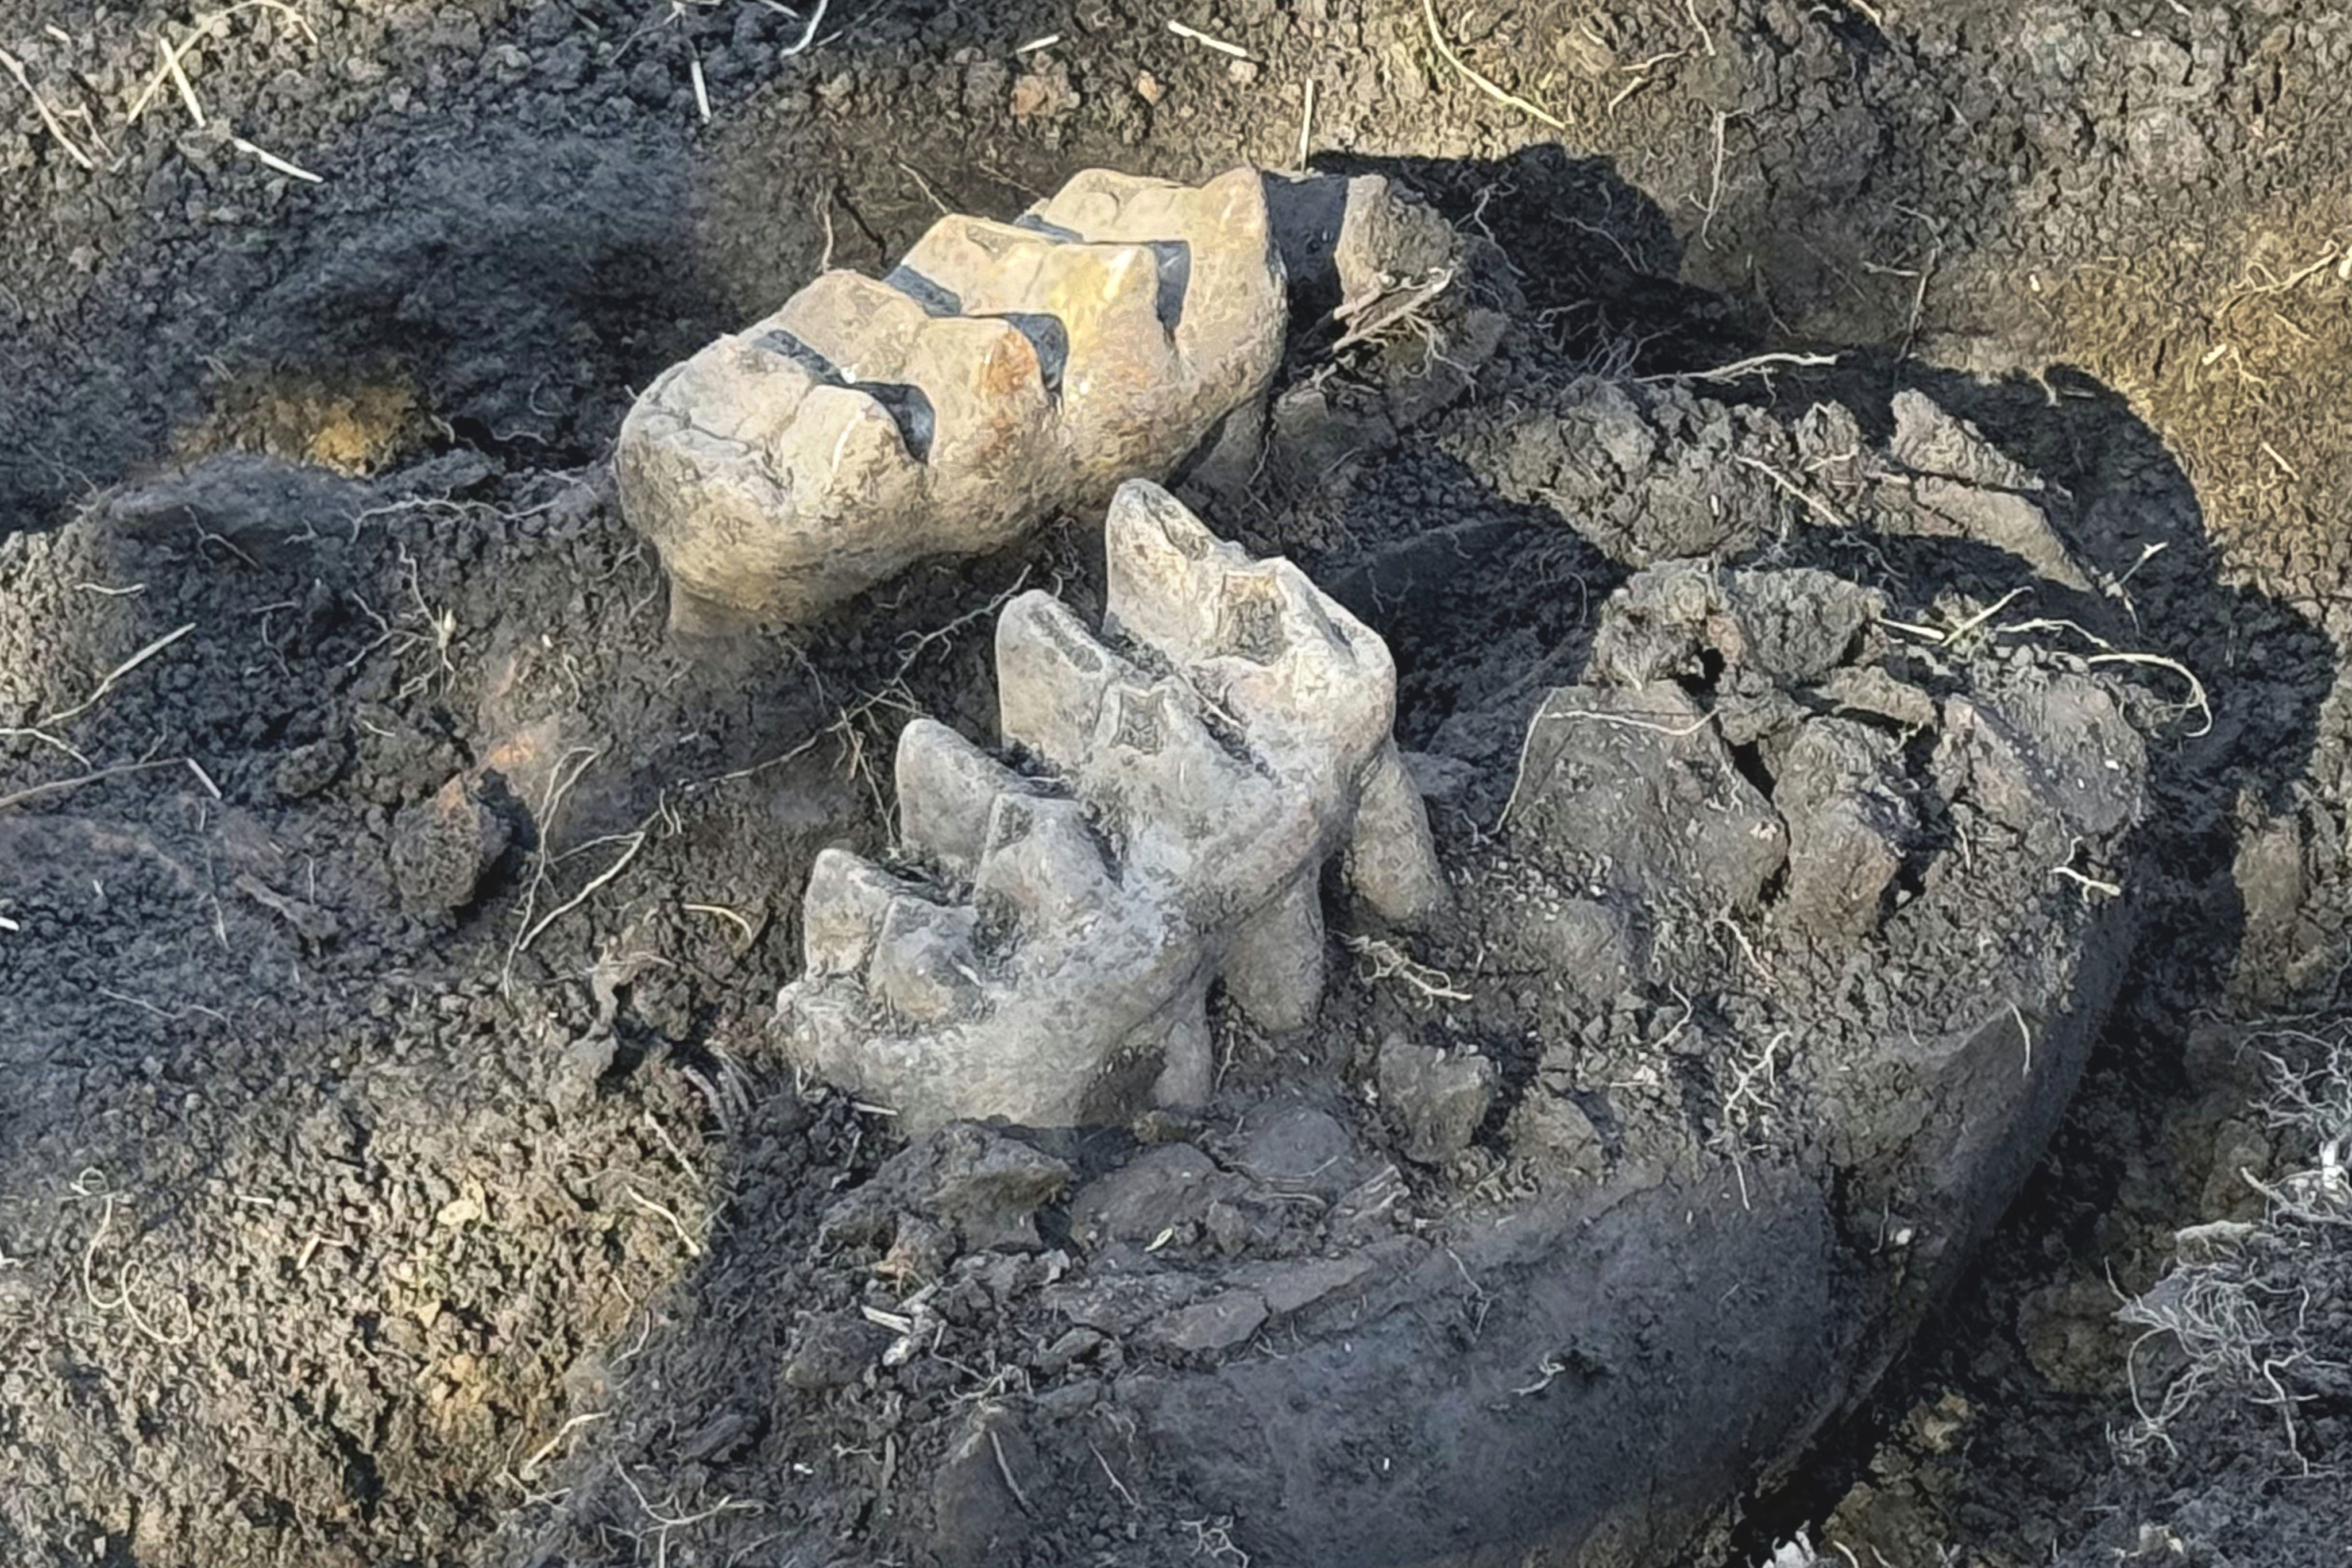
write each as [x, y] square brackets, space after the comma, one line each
[1177, 839]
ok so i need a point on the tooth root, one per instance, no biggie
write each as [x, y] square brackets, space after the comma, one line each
[1179, 1036]
[863, 327]
[1045, 862]
[947, 787]
[1275, 971]
[1051, 676]
[847, 897]
[925, 969]
[1391, 859]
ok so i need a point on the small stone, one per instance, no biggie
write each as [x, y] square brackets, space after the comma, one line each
[1148, 88]
[1071, 1400]
[833, 1349]
[1161, 1188]
[1033, 95]
[1288, 1288]
[978, 1517]
[1301, 1149]
[1219, 1324]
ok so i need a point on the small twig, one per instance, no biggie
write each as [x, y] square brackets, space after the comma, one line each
[1755, 365]
[1948, 636]
[180, 80]
[637, 841]
[2017, 1013]
[1307, 123]
[2197, 698]
[2088, 884]
[750, 933]
[1811, 502]
[693, 1248]
[203, 26]
[1690, 9]
[1715, 183]
[529, 1469]
[915, 175]
[1116, 1484]
[701, 92]
[1510, 99]
[59, 786]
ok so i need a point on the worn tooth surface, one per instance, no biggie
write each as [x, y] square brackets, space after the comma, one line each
[1023, 368]
[1180, 843]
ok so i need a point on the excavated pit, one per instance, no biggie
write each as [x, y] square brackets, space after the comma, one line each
[402, 1161]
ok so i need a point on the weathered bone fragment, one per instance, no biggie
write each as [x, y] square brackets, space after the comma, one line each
[1002, 373]
[1199, 763]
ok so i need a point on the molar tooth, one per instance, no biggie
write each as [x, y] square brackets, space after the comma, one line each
[1188, 854]
[1027, 368]
[1044, 862]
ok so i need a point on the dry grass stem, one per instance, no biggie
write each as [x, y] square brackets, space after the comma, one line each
[48, 116]
[1195, 36]
[112, 675]
[271, 160]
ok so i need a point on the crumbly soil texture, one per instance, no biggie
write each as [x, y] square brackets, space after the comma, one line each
[397, 1166]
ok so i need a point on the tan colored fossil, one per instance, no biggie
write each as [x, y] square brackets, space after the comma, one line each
[1002, 373]
[1056, 971]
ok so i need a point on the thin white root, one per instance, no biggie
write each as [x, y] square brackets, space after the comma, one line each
[1509, 100]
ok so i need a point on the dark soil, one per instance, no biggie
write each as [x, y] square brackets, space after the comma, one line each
[351, 1214]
